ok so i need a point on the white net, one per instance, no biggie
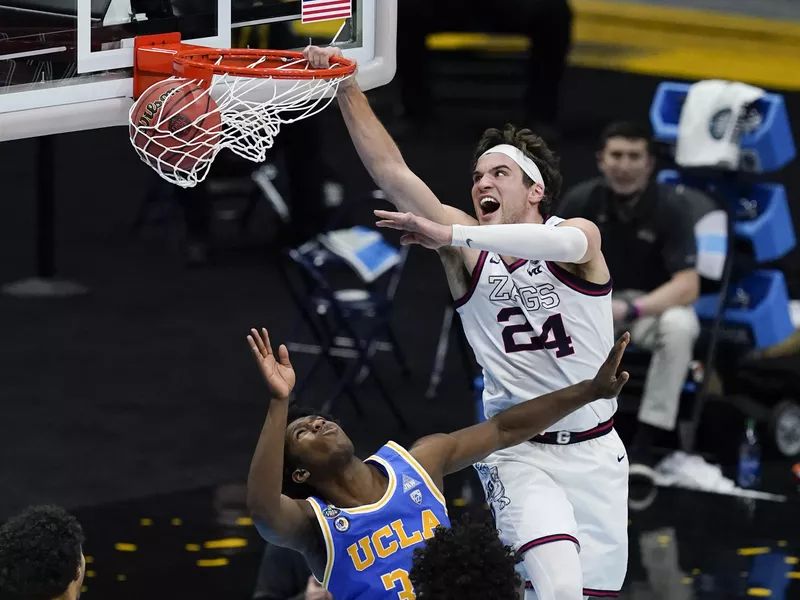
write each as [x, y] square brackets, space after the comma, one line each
[178, 128]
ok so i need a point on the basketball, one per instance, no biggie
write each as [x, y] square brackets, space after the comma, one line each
[176, 124]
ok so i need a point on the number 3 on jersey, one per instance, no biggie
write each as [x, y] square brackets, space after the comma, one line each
[560, 341]
[399, 576]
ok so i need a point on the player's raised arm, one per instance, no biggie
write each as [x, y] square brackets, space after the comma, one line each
[442, 454]
[573, 241]
[279, 519]
[380, 154]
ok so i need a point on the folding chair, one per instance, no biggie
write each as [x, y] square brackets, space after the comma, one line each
[346, 323]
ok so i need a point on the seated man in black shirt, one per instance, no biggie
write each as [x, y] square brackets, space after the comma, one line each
[649, 245]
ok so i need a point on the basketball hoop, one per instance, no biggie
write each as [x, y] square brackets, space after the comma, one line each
[194, 101]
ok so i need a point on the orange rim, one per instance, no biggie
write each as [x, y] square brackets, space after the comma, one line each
[235, 61]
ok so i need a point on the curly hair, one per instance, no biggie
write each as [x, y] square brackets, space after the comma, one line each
[40, 553]
[298, 491]
[534, 148]
[465, 561]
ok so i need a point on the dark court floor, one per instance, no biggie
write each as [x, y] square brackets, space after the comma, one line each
[201, 544]
[137, 405]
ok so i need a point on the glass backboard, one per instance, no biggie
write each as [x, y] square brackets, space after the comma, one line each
[66, 65]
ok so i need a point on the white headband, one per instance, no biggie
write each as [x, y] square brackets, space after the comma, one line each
[518, 156]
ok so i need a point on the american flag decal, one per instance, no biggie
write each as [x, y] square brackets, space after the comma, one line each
[326, 10]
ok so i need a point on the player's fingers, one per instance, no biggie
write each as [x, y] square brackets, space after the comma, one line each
[283, 356]
[321, 58]
[619, 347]
[400, 217]
[390, 224]
[332, 51]
[623, 340]
[311, 55]
[408, 239]
[620, 382]
[267, 344]
[253, 347]
[259, 342]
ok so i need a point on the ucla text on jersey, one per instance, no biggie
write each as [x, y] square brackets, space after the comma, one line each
[370, 548]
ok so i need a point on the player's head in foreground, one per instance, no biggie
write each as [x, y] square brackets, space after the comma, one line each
[515, 177]
[625, 157]
[466, 561]
[315, 451]
[41, 555]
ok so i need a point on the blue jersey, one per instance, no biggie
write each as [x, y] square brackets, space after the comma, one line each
[370, 548]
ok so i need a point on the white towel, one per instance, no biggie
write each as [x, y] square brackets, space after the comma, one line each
[709, 129]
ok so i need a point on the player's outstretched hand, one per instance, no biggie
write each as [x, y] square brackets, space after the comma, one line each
[320, 58]
[418, 230]
[279, 374]
[607, 383]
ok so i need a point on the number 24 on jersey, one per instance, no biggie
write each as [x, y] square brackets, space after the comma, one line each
[521, 337]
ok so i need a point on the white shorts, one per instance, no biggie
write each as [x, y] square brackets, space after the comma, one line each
[542, 493]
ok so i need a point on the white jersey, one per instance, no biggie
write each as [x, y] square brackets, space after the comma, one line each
[536, 328]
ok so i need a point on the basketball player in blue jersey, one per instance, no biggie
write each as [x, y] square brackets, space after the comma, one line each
[363, 519]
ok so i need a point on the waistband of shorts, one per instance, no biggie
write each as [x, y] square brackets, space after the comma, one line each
[562, 438]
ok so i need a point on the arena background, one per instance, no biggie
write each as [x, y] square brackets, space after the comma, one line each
[140, 399]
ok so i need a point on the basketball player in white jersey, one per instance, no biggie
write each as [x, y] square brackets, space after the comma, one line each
[533, 292]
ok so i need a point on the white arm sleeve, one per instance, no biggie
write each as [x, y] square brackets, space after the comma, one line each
[524, 240]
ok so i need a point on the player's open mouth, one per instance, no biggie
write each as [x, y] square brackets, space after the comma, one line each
[488, 205]
[328, 428]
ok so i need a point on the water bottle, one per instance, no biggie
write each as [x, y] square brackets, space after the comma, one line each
[749, 458]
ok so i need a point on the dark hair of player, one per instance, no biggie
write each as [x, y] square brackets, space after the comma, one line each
[40, 553]
[466, 561]
[535, 148]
